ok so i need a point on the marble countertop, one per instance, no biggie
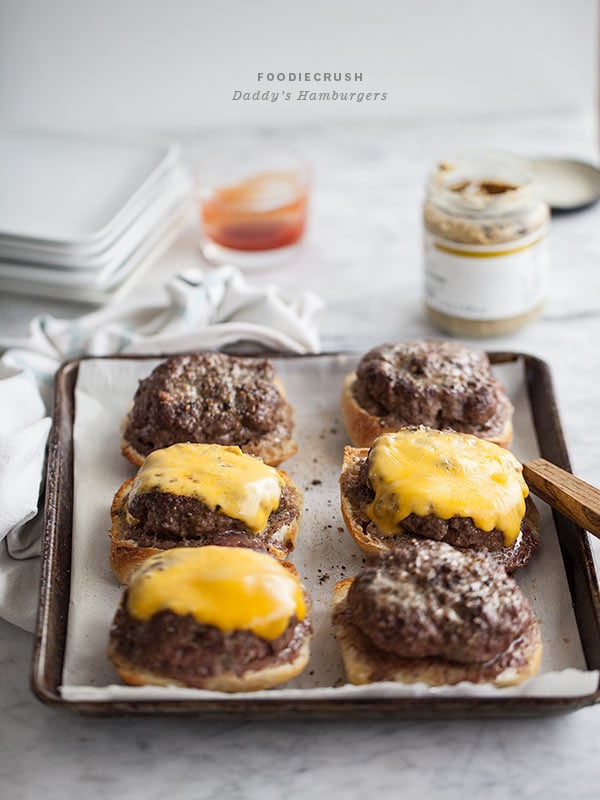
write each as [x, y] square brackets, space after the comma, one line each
[362, 255]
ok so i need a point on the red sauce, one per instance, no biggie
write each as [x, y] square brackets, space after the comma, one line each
[261, 213]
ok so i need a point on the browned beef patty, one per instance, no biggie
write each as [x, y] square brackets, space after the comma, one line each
[440, 384]
[427, 598]
[176, 646]
[207, 397]
[458, 531]
[166, 520]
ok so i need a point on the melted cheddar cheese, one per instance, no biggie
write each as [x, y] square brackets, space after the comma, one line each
[425, 472]
[223, 478]
[231, 588]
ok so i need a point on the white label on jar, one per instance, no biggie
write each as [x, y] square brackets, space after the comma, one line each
[485, 282]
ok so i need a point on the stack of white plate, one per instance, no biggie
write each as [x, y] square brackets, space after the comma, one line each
[82, 218]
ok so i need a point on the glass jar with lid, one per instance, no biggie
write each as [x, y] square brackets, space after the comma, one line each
[485, 227]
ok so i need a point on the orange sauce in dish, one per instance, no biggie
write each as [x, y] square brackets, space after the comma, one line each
[263, 212]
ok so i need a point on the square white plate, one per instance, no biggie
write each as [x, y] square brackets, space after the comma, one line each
[22, 261]
[96, 287]
[69, 190]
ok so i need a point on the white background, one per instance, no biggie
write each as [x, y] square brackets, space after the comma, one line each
[174, 65]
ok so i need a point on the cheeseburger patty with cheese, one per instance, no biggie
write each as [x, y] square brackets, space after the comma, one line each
[220, 618]
[189, 495]
[440, 485]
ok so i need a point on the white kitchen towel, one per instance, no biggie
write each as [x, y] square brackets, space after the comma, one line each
[24, 427]
[204, 310]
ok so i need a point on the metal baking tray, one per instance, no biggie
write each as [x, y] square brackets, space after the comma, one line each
[321, 437]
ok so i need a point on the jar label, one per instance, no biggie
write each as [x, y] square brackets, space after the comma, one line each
[486, 282]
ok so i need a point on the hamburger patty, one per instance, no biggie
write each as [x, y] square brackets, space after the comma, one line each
[207, 397]
[439, 384]
[178, 647]
[166, 520]
[427, 598]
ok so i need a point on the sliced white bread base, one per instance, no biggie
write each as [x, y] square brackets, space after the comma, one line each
[364, 664]
[271, 447]
[363, 427]
[126, 555]
[352, 458]
[253, 680]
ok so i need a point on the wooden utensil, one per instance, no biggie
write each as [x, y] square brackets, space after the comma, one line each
[573, 497]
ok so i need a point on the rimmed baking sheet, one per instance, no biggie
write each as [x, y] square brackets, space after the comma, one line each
[79, 594]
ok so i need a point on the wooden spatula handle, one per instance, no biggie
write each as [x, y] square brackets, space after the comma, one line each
[570, 495]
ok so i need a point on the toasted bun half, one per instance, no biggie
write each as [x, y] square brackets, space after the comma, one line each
[250, 681]
[351, 462]
[363, 663]
[126, 555]
[363, 427]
